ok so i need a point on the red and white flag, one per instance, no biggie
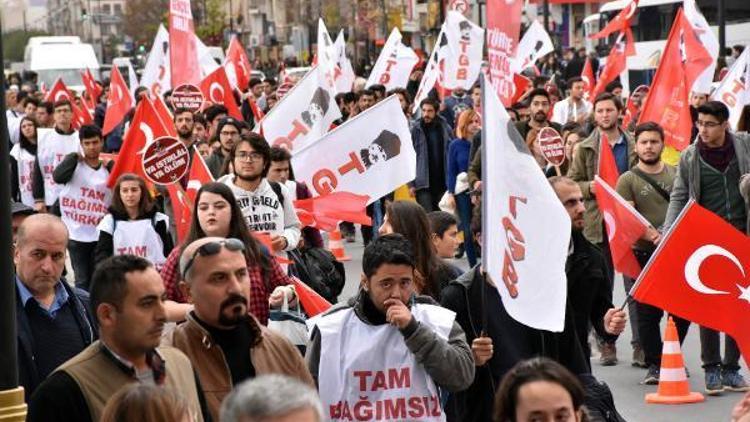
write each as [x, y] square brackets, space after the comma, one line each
[703, 83]
[734, 89]
[589, 80]
[199, 175]
[119, 102]
[183, 49]
[302, 116]
[620, 22]
[607, 166]
[616, 64]
[326, 211]
[521, 85]
[503, 30]
[92, 87]
[325, 60]
[534, 45]
[432, 71]
[156, 73]
[394, 65]
[59, 91]
[237, 65]
[465, 44]
[344, 77]
[181, 209]
[701, 272]
[371, 154]
[526, 229]
[215, 88]
[667, 103]
[624, 227]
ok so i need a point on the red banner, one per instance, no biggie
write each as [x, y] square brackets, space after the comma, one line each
[183, 51]
[503, 29]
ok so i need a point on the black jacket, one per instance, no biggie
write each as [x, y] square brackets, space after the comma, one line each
[588, 290]
[513, 342]
[28, 375]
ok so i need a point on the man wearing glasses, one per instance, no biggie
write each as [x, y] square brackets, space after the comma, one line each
[219, 331]
[266, 206]
[709, 172]
[228, 133]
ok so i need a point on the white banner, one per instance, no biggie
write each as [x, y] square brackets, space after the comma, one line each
[394, 64]
[344, 74]
[432, 71]
[709, 41]
[534, 45]
[526, 229]
[734, 90]
[371, 154]
[303, 115]
[465, 42]
[326, 62]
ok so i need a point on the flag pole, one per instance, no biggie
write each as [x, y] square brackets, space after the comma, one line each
[483, 268]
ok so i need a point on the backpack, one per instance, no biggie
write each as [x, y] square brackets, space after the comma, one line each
[277, 190]
[320, 270]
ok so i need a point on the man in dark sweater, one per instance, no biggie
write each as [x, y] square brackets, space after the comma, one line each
[52, 318]
[431, 136]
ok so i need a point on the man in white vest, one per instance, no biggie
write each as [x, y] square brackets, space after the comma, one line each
[52, 146]
[393, 347]
[84, 200]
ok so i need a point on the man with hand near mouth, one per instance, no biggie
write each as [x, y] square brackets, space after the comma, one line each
[226, 343]
[383, 354]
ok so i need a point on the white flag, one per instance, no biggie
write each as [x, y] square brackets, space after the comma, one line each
[734, 89]
[326, 62]
[465, 41]
[156, 76]
[394, 64]
[303, 115]
[344, 74]
[132, 80]
[709, 41]
[371, 154]
[432, 69]
[534, 45]
[526, 230]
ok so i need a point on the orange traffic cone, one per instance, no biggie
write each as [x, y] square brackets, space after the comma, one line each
[673, 383]
[336, 246]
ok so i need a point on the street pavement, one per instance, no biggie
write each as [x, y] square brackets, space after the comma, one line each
[623, 378]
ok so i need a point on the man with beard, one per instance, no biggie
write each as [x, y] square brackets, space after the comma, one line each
[226, 343]
[585, 165]
[127, 302]
[183, 122]
[647, 187]
[539, 104]
[431, 136]
[227, 132]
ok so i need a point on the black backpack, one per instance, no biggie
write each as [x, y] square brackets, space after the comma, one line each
[320, 270]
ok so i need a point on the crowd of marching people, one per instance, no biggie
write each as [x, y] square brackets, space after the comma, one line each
[141, 308]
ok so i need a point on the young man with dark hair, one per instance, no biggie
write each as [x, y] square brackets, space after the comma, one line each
[378, 90]
[127, 300]
[573, 108]
[388, 332]
[431, 136]
[84, 198]
[213, 115]
[228, 133]
[267, 206]
[44, 114]
[366, 100]
[200, 131]
[444, 227]
[709, 172]
[184, 123]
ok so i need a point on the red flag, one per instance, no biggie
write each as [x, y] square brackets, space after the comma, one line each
[257, 112]
[237, 58]
[183, 50]
[624, 227]
[92, 87]
[265, 239]
[311, 301]
[616, 64]
[144, 128]
[165, 116]
[588, 79]
[118, 102]
[684, 59]
[701, 272]
[607, 165]
[181, 209]
[328, 210]
[199, 175]
[216, 89]
[59, 92]
[620, 22]
[521, 85]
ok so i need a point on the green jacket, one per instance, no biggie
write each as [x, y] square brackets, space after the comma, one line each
[687, 184]
[583, 169]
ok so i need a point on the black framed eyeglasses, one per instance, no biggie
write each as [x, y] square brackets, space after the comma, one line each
[212, 248]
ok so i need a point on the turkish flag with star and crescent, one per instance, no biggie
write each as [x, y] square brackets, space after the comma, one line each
[701, 272]
[619, 22]
[119, 102]
[237, 65]
[215, 88]
[59, 91]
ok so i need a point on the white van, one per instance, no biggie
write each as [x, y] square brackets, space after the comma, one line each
[60, 57]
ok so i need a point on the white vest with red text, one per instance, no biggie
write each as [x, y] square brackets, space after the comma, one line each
[52, 148]
[137, 237]
[25, 163]
[84, 200]
[368, 373]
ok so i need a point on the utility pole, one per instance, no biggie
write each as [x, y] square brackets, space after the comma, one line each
[12, 406]
[721, 17]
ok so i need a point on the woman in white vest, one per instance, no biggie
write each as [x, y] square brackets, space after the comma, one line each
[384, 354]
[22, 159]
[133, 226]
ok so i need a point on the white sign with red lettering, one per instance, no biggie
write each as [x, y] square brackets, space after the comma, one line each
[371, 154]
[84, 201]
[303, 115]
[551, 145]
[389, 384]
[465, 41]
[394, 64]
[734, 90]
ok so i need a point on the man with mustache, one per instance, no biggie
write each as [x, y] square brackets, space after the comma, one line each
[127, 297]
[539, 105]
[226, 343]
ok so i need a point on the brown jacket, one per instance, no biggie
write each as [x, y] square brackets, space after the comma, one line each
[271, 354]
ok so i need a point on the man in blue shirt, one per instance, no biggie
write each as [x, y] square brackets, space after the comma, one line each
[53, 320]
